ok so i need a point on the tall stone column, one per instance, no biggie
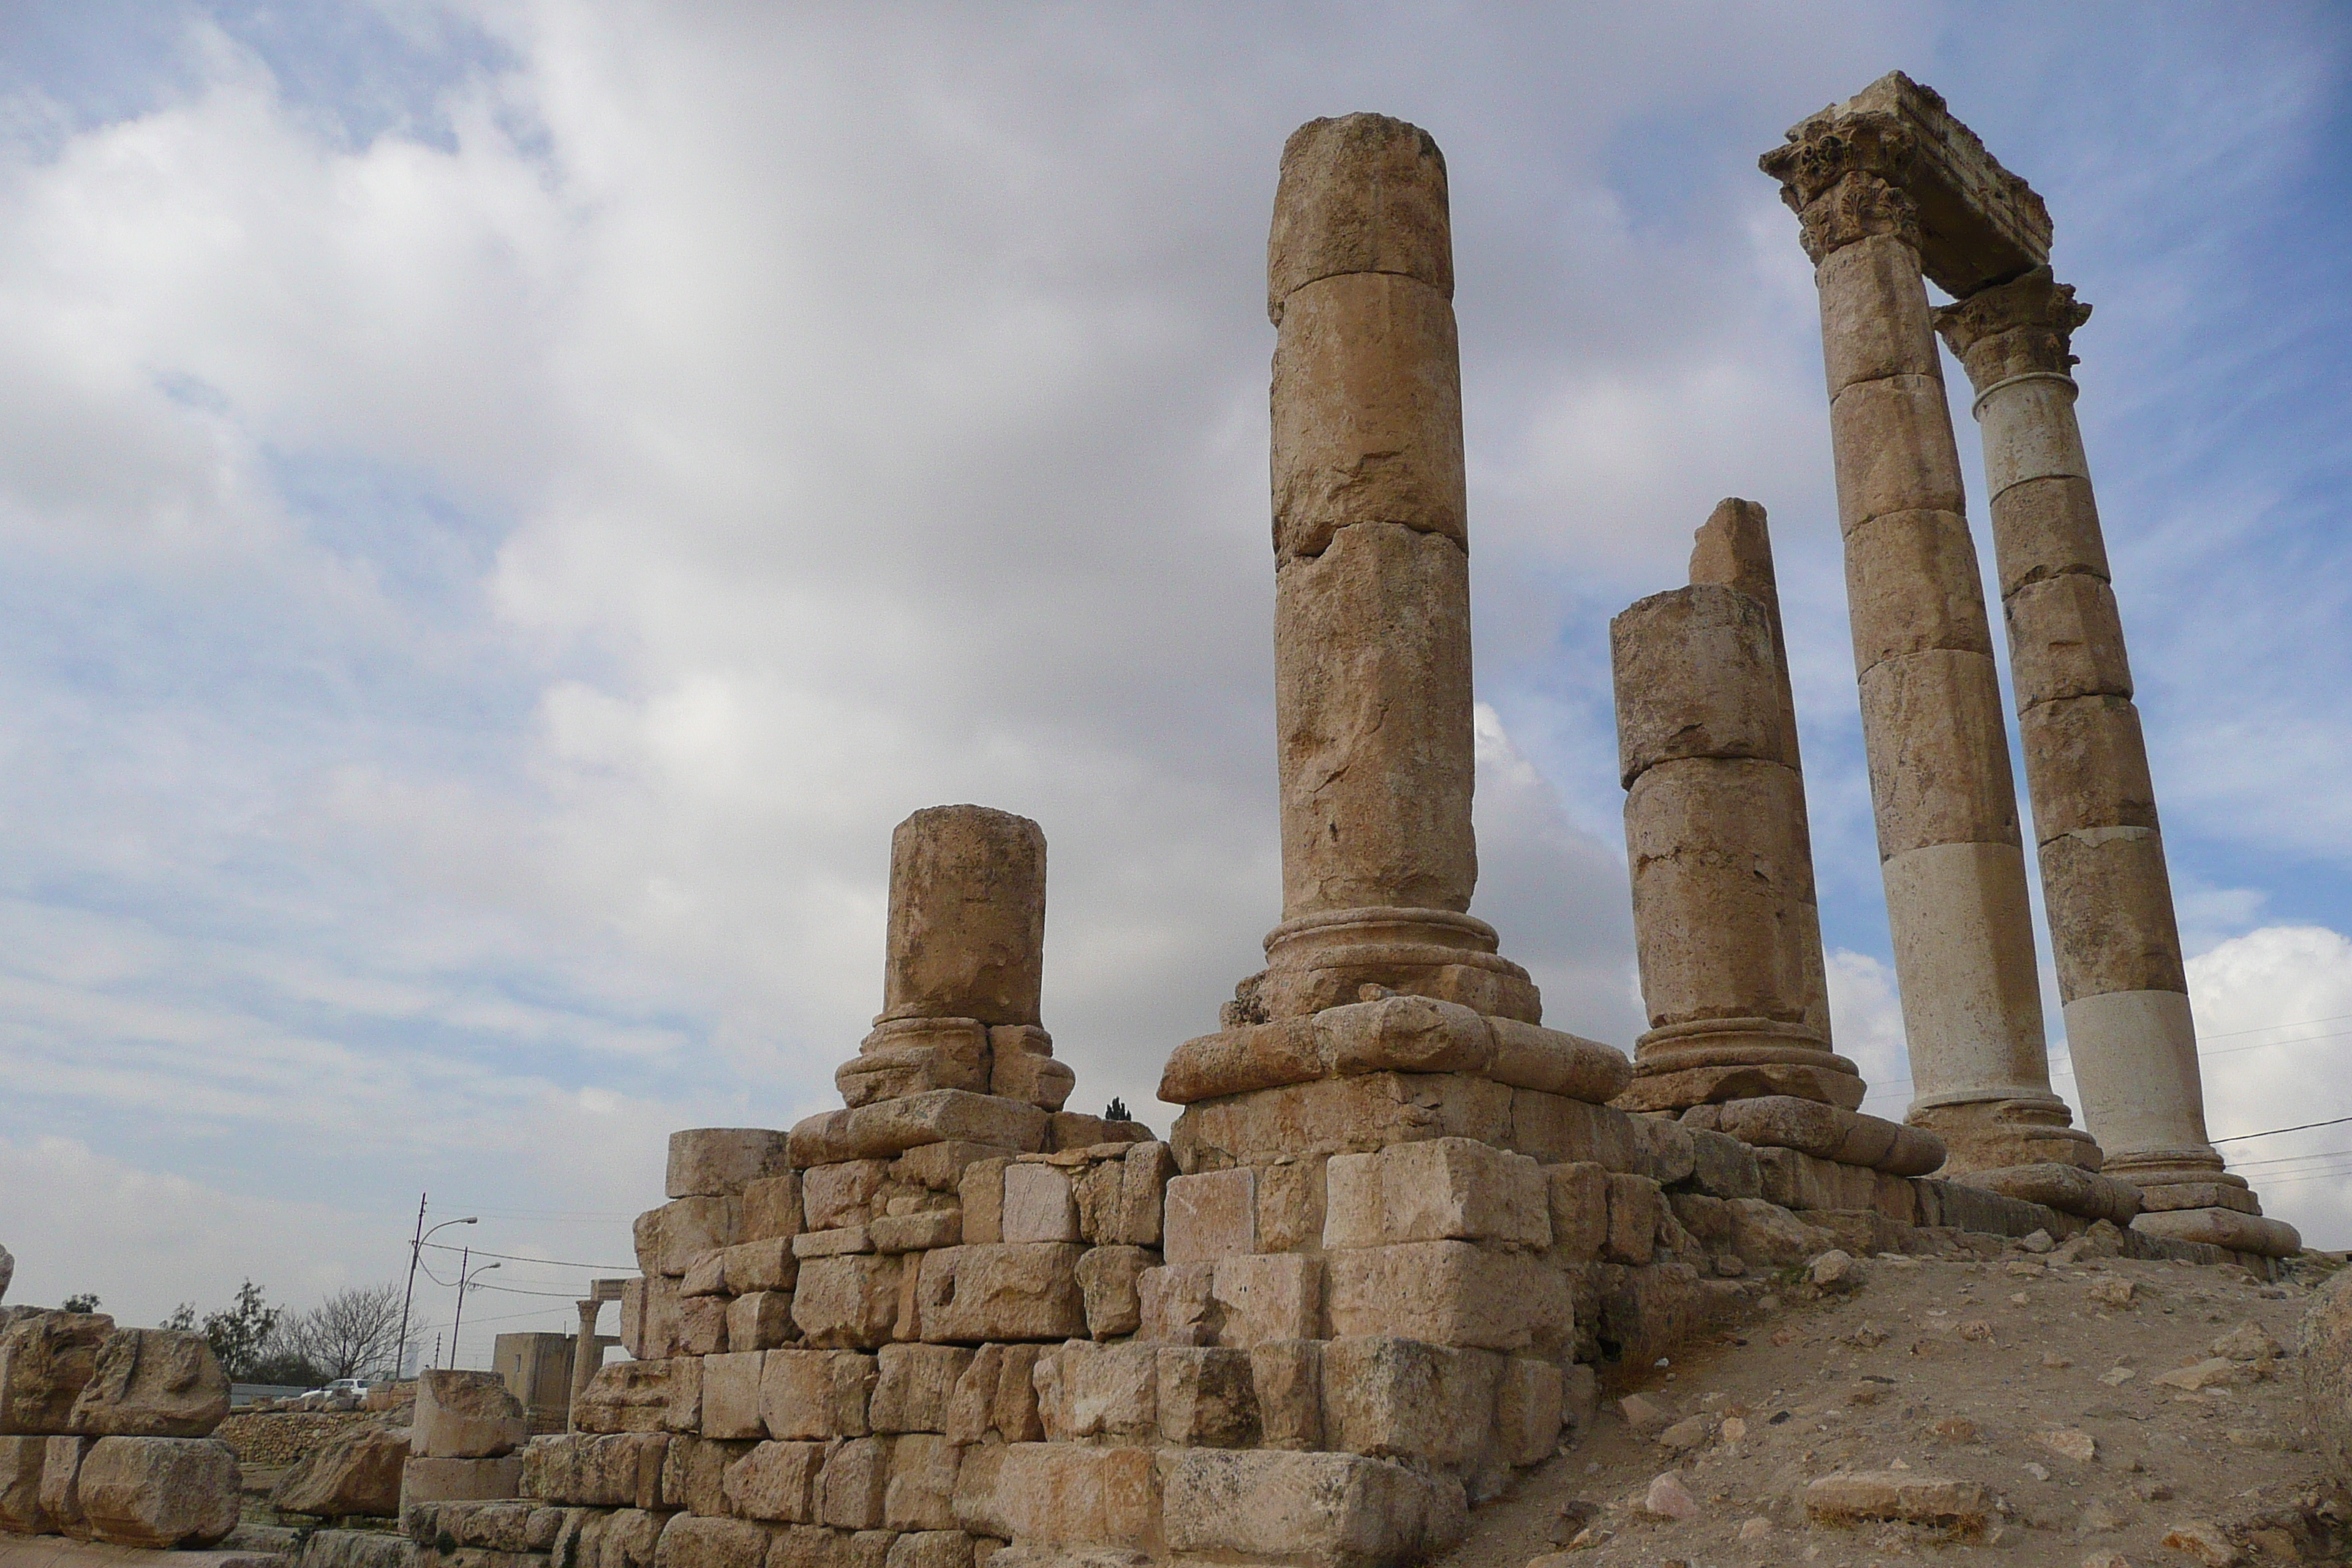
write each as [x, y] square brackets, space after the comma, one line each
[1373, 587]
[1950, 846]
[1727, 924]
[2103, 882]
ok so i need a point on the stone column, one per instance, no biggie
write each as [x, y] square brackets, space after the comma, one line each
[1373, 585]
[2102, 852]
[1726, 926]
[586, 1358]
[1948, 840]
[963, 966]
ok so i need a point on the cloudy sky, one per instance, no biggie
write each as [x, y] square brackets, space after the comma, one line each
[502, 506]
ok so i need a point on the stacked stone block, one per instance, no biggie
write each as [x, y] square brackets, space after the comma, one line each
[105, 1433]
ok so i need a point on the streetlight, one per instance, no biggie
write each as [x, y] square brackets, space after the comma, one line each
[463, 1284]
[416, 1249]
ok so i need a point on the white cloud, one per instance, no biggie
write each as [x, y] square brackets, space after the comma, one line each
[480, 587]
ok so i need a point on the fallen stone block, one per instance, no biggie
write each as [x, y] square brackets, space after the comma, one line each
[46, 1361]
[466, 1416]
[1326, 1510]
[1906, 1496]
[159, 1491]
[2223, 1227]
[356, 1474]
[152, 1382]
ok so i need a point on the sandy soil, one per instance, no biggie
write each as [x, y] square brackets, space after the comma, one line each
[2004, 1373]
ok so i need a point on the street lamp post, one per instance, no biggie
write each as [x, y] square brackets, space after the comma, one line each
[463, 1284]
[415, 1250]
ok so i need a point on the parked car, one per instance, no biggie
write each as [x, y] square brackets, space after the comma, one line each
[344, 1393]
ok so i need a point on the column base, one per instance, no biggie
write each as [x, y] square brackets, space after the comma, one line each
[1326, 960]
[1392, 1034]
[2223, 1227]
[1997, 1134]
[1722, 1059]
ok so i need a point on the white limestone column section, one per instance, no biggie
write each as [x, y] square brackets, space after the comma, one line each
[1950, 848]
[2128, 1021]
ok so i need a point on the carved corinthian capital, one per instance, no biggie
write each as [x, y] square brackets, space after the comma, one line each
[2016, 328]
[1842, 176]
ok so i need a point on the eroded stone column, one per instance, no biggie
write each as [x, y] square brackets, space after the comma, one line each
[2104, 882]
[964, 964]
[1726, 925]
[586, 1356]
[1949, 846]
[1373, 585]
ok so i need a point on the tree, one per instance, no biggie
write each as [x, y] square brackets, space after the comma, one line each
[182, 1318]
[239, 1336]
[352, 1332]
[86, 1301]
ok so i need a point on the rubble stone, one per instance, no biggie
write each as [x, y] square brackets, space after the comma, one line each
[466, 1416]
[152, 1382]
[46, 1361]
[357, 1474]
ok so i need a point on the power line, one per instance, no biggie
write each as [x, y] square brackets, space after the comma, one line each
[2304, 1127]
[517, 1257]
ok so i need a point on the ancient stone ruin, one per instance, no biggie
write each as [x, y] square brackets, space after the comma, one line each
[1400, 1228]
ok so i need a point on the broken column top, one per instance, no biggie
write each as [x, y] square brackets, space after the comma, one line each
[1359, 194]
[967, 933]
[1979, 223]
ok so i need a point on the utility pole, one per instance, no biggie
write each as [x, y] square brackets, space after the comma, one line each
[465, 1258]
[415, 1249]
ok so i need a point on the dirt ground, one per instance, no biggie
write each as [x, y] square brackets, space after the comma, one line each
[2004, 1373]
